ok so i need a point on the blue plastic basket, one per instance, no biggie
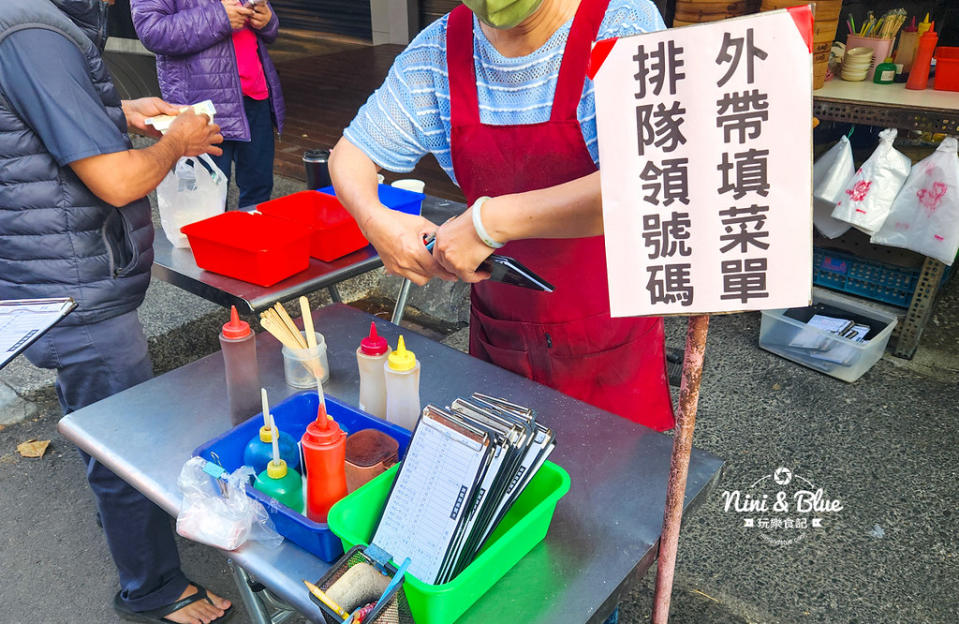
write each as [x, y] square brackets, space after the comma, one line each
[292, 416]
[873, 280]
[398, 199]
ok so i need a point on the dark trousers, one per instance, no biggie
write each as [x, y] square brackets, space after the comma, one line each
[93, 362]
[253, 158]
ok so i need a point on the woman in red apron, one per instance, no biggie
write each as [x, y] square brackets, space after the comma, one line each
[546, 204]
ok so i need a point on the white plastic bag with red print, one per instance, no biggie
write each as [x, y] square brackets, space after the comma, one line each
[868, 196]
[925, 215]
[829, 177]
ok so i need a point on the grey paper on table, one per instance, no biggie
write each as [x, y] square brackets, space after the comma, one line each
[22, 321]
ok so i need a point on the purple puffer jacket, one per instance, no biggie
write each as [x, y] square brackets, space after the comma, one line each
[196, 60]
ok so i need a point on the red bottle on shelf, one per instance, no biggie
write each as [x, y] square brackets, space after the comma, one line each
[919, 75]
[324, 458]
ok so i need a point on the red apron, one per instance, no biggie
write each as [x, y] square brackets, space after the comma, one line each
[566, 339]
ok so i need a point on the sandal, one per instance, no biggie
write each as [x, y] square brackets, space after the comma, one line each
[159, 614]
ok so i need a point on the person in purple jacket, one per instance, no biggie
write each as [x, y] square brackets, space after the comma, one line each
[216, 50]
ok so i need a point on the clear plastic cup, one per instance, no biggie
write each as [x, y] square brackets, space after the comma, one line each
[299, 365]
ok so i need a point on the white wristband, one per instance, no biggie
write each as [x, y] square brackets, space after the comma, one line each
[478, 224]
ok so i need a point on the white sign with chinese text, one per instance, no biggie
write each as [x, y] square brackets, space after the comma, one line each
[705, 144]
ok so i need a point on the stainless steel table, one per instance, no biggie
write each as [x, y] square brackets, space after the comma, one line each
[604, 533]
[177, 266]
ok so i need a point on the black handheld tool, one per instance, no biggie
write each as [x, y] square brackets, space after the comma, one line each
[505, 270]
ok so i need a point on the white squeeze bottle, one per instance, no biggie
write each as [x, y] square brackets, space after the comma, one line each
[371, 358]
[402, 387]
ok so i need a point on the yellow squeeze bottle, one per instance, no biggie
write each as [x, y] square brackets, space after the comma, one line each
[402, 372]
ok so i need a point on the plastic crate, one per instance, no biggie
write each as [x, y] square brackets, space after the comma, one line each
[398, 199]
[333, 232]
[355, 517]
[255, 248]
[292, 416]
[867, 278]
[785, 333]
[947, 69]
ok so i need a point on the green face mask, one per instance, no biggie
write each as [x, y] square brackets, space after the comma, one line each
[502, 14]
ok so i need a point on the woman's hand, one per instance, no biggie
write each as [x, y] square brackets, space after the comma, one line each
[261, 15]
[398, 238]
[237, 13]
[459, 250]
[137, 111]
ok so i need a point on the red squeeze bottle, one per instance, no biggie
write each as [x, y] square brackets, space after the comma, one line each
[324, 456]
[919, 75]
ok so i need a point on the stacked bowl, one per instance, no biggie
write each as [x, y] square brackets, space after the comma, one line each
[856, 63]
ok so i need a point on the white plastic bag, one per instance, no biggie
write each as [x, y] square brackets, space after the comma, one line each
[868, 196]
[925, 215]
[188, 194]
[830, 174]
[224, 519]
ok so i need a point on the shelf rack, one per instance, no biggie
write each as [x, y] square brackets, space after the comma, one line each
[894, 106]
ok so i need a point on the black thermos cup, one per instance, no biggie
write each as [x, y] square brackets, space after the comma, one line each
[317, 167]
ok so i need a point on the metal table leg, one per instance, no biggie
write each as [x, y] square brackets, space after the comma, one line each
[334, 293]
[262, 606]
[400, 306]
[920, 308]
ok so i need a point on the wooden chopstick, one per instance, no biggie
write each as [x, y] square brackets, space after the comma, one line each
[307, 321]
[285, 317]
[278, 332]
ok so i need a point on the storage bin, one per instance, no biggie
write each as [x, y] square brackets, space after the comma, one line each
[395, 608]
[333, 232]
[254, 248]
[292, 416]
[867, 278]
[354, 518]
[785, 333]
[398, 199]
[947, 69]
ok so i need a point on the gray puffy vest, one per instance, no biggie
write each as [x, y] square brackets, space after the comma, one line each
[57, 239]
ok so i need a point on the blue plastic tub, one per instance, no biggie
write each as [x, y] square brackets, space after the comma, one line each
[396, 198]
[292, 416]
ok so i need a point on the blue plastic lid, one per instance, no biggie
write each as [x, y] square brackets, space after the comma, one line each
[398, 199]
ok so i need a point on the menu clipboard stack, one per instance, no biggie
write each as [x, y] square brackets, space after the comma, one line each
[465, 467]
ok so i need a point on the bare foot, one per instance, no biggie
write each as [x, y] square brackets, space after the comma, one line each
[201, 611]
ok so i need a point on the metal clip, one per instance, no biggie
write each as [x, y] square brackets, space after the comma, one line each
[379, 557]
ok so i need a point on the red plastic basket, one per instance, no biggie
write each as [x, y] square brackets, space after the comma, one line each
[947, 69]
[259, 249]
[334, 232]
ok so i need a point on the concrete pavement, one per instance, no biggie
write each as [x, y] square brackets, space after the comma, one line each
[884, 446]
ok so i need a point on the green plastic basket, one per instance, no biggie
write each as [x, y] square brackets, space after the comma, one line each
[354, 517]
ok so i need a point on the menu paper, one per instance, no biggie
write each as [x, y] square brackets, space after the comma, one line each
[430, 494]
[705, 145]
[22, 321]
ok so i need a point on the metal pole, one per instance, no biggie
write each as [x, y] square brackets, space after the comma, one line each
[254, 607]
[400, 306]
[334, 293]
[679, 464]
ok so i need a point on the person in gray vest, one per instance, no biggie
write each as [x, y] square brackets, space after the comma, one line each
[74, 221]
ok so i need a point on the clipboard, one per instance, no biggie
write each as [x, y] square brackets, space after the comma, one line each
[432, 492]
[23, 321]
[465, 467]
